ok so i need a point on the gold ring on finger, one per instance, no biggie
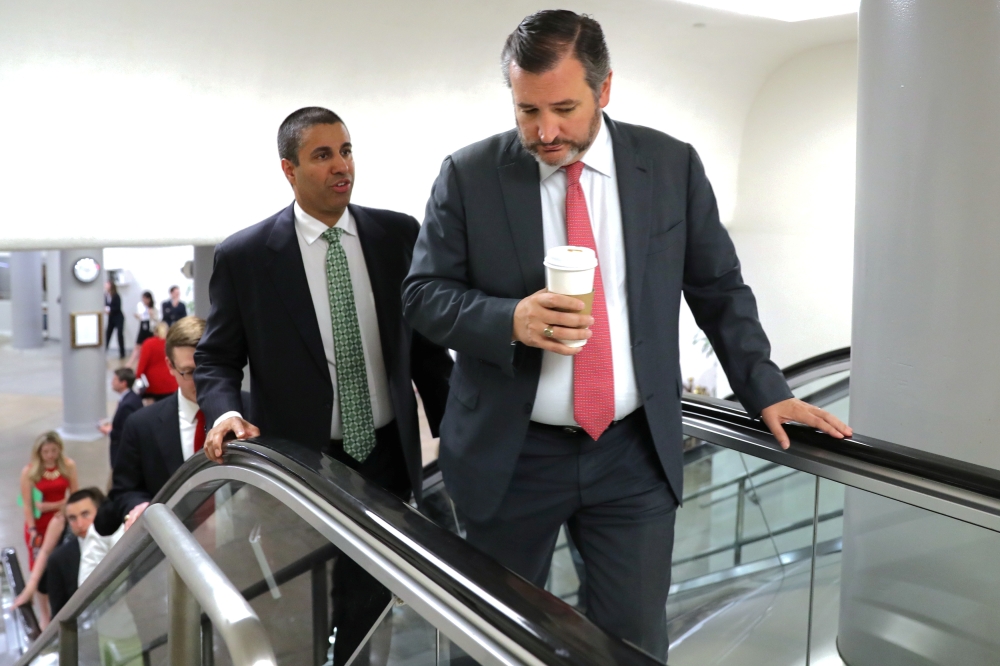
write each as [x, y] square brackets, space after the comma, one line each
[549, 332]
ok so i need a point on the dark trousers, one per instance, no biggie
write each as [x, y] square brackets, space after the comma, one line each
[359, 599]
[116, 324]
[614, 497]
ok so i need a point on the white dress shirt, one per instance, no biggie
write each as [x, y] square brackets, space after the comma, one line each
[554, 397]
[93, 548]
[188, 415]
[309, 231]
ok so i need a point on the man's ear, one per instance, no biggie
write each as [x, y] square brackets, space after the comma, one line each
[289, 170]
[605, 95]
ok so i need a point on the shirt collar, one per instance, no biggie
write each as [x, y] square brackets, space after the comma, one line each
[311, 228]
[188, 410]
[599, 157]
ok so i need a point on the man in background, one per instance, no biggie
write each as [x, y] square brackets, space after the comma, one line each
[130, 402]
[156, 440]
[173, 310]
[538, 433]
[73, 560]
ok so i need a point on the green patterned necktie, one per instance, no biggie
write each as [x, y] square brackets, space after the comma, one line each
[352, 378]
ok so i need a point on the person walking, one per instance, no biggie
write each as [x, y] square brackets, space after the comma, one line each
[116, 319]
[537, 432]
[146, 314]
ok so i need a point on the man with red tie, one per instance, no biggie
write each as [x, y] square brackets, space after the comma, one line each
[537, 433]
[157, 439]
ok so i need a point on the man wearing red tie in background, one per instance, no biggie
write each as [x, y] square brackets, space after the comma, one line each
[157, 439]
[537, 433]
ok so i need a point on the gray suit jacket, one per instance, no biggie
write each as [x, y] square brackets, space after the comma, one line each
[480, 251]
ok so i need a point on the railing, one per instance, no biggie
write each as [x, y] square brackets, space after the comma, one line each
[195, 582]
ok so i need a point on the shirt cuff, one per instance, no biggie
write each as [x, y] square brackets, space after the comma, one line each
[226, 416]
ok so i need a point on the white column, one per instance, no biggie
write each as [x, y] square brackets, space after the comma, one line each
[53, 293]
[26, 299]
[204, 262]
[84, 370]
[918, 588]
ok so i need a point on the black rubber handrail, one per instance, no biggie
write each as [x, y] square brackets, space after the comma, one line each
[545, 626]
[826, 358]
[894, 457]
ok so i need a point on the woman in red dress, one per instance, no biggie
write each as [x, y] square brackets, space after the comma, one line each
[46, 482]
[153, 365]
[54, 477]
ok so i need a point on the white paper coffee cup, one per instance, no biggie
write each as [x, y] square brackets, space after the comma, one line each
[569, 270]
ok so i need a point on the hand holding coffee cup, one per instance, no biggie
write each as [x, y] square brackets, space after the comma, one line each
[554, 320]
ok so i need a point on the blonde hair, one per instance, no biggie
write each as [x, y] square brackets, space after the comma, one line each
[160, 330]
[185, 332]
[37, 467]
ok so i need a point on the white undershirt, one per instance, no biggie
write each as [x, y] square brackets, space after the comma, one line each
[188, 418]
[554, 398]
[308, 231]
[93, 548]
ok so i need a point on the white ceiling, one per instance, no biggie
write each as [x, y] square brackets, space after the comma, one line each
[128, 123]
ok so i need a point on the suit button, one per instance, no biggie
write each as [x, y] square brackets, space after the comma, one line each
[527, 408]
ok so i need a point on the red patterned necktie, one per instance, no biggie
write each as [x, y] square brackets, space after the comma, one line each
[199, 431]
[593, 370]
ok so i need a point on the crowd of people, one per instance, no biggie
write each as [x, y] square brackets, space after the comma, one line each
[61, 520]
[558, 409]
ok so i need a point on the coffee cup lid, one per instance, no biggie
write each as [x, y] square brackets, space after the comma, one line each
[571, 258]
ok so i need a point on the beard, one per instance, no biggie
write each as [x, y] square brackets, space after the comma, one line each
[575, 147]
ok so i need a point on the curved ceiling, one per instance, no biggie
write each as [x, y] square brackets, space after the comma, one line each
[153, 123]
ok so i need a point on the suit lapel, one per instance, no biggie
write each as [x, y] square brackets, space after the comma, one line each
[289, 278]
[523, 203]
[388, 301]
[169, 440]
[635, 195]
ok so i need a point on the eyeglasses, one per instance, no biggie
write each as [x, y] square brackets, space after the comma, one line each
[183, 373]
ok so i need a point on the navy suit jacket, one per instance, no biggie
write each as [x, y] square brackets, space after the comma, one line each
[148, 455]
[262, 312]
[61, 573]
[130, 402]
[480, 251]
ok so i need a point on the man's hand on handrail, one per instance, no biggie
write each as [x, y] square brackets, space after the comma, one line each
[794, 410]
[227, 430]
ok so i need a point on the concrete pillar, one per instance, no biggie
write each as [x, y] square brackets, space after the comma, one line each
[53, 293]
[84, 370]
[204, 262]
[918, 588]
[26, 299]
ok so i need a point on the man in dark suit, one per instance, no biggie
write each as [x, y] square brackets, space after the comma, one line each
[157, 439]
[172, 309]
[121, 382]
[62, 571]
[538, 433]
[311, 298]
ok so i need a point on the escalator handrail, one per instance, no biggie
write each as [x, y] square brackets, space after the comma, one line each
[541, 626]
[951, 487]
[236, 621]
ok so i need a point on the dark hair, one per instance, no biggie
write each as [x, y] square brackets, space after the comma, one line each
[125, 375]
[542, 39]
[93, 494]
[149, 295]
[112, 289]
[171, 290]
[290, 132]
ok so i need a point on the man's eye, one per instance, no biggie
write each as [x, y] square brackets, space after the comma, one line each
[565, 109]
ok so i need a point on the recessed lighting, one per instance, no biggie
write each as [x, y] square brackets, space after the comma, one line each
[783, 10]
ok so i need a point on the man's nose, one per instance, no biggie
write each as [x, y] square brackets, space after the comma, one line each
[548, 128]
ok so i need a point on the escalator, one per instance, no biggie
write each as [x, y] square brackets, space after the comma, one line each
[756, 566]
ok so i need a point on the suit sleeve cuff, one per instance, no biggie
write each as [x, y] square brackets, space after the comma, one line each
[226, 416]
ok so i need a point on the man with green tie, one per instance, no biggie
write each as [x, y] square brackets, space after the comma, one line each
[310, 297]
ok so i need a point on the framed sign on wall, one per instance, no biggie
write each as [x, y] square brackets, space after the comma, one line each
[86, 329]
